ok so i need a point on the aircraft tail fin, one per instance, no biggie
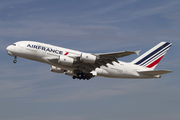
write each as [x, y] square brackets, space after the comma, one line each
[152, 57]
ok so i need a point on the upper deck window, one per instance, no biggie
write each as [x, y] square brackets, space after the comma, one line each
[14, 44]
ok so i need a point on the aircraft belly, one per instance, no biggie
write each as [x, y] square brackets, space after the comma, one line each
[113, 73]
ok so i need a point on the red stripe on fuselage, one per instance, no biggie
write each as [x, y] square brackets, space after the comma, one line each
[66, 53]
[155, 62]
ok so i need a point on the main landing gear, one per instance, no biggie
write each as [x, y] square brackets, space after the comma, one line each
[83, 76]
[15, 61]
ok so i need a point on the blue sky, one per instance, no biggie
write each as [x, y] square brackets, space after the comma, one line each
[28, 90]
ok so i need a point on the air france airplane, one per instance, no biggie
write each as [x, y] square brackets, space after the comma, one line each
[82, 65]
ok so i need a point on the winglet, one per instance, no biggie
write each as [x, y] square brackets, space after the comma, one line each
[137, 52]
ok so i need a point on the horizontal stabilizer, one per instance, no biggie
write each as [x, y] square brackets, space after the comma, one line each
[155, 72]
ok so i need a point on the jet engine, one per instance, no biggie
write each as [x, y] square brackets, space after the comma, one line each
[57, 70]
[88, 58]
[64, 60]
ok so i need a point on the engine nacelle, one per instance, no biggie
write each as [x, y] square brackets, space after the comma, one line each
[88, 58]
[57, 70]
[64, 60]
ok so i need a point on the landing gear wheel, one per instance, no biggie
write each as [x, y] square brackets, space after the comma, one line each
[15, 61]
[83, 76]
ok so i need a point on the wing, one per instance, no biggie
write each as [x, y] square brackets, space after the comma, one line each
[101, 59]
[117, 54]
[104, 59]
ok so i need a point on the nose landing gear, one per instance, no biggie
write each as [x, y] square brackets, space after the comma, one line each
[15, 61]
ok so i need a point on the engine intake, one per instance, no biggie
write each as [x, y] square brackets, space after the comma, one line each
[88, 58]
[64, 60]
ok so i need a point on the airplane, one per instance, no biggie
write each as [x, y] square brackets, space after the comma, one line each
[81, 65]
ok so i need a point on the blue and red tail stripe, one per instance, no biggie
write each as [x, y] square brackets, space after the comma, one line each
[156, 55]
[153, 58]
[155, 62]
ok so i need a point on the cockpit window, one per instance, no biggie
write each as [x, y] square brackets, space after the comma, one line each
[14, 44]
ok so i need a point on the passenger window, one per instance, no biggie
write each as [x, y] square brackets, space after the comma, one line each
[14, 44]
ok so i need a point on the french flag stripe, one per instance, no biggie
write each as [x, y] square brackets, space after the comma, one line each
[66, 53]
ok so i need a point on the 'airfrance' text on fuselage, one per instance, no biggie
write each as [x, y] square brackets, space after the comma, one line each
[45, 49]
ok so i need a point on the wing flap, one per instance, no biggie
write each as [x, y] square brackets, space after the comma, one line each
[155, 72]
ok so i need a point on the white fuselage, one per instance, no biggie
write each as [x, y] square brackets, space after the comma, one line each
[41, 52]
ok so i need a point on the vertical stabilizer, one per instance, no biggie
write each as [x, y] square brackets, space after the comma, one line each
[152, 57]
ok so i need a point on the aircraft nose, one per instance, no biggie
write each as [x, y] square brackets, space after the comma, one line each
[9, 49]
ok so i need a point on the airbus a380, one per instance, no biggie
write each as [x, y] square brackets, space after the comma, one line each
[83, 65]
